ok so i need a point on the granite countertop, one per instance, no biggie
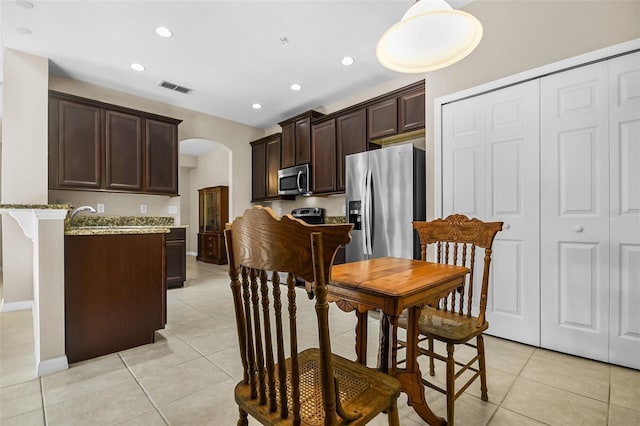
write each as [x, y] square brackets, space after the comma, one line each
[116, 230]
[114, 225]
[93, 220]
[335, 219]
[35, 206]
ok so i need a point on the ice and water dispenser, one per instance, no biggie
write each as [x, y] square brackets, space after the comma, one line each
[355, 214]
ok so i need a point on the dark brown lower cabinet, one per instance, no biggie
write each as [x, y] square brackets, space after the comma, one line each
[176, 258]
[115, 292]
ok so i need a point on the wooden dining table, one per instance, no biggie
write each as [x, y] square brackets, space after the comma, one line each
[392, 285]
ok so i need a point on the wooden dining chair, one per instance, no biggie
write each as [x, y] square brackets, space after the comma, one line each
[314, 386]
[459, 317]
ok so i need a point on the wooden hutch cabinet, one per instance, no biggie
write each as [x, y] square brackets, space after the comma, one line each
[213, 203]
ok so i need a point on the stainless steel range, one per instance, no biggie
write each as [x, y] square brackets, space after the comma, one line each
[311, 215]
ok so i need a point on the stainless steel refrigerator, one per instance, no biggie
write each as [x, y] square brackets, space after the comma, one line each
[385, 192]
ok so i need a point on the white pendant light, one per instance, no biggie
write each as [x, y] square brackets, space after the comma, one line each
[430, 36]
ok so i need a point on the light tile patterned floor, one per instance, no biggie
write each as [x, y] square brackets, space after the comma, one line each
[187, 376]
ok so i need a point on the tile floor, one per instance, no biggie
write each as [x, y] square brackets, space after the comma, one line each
[187, 376]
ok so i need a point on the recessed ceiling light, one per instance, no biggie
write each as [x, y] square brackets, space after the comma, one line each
[164, 32]
[256, 106]
[347, 60]
[295, 87]
[24, 3]
[137, 67]
[23, 30]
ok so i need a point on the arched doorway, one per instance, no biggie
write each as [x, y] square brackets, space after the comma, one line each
[203, 163]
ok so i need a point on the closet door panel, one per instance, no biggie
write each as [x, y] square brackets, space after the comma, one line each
[463, 158]
[574, 206]
[512, 196]
[624, 114]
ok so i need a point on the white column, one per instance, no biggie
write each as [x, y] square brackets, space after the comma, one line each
[45, 228]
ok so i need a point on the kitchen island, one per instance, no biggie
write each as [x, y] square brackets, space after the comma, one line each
[115, 288]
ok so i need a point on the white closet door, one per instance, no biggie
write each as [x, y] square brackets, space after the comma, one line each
[624, 114]
[463, 171]
[574, 204]
[490, 171]
[512, 196]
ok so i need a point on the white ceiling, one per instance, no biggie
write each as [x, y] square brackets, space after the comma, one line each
[229, 52]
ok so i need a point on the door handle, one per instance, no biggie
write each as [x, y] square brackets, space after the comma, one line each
[363, 214]
[298, 184]
[578, 228]
[368, 207]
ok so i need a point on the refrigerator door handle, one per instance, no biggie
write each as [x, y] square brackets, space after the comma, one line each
[369, 197]
[363, 214]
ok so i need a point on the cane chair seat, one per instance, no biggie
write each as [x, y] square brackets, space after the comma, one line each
[361, 392]
[312, 386]
[446, 326]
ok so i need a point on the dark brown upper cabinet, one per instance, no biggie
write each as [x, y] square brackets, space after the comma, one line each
[123, 151]
[351, 138]
[258, 170]
[330, 138]
[411, 111]
[75, 145]
[102, 147]
[161, 151]
[273, 165]
[396, 112]
[323, 169]
[296, 139]
[383, 118]
[265, 163]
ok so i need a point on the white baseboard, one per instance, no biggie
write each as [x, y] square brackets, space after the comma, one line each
[52, 365]
[192, 253]
[23, 305]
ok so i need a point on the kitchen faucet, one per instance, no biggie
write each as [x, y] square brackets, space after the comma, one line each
[82, 209]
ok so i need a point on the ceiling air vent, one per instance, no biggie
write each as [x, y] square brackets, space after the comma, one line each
[173, 86]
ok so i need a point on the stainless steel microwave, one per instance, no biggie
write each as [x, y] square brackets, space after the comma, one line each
[294, 180]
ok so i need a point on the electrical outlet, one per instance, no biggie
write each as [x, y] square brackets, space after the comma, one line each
[100, 208]
[143, 208]
[173, 209]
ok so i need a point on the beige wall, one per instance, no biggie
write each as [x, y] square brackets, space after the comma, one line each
[24, 129]
[24, 163]
[524, 34]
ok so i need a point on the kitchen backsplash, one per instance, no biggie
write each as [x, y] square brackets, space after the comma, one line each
[333, 205]
[116, 204]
